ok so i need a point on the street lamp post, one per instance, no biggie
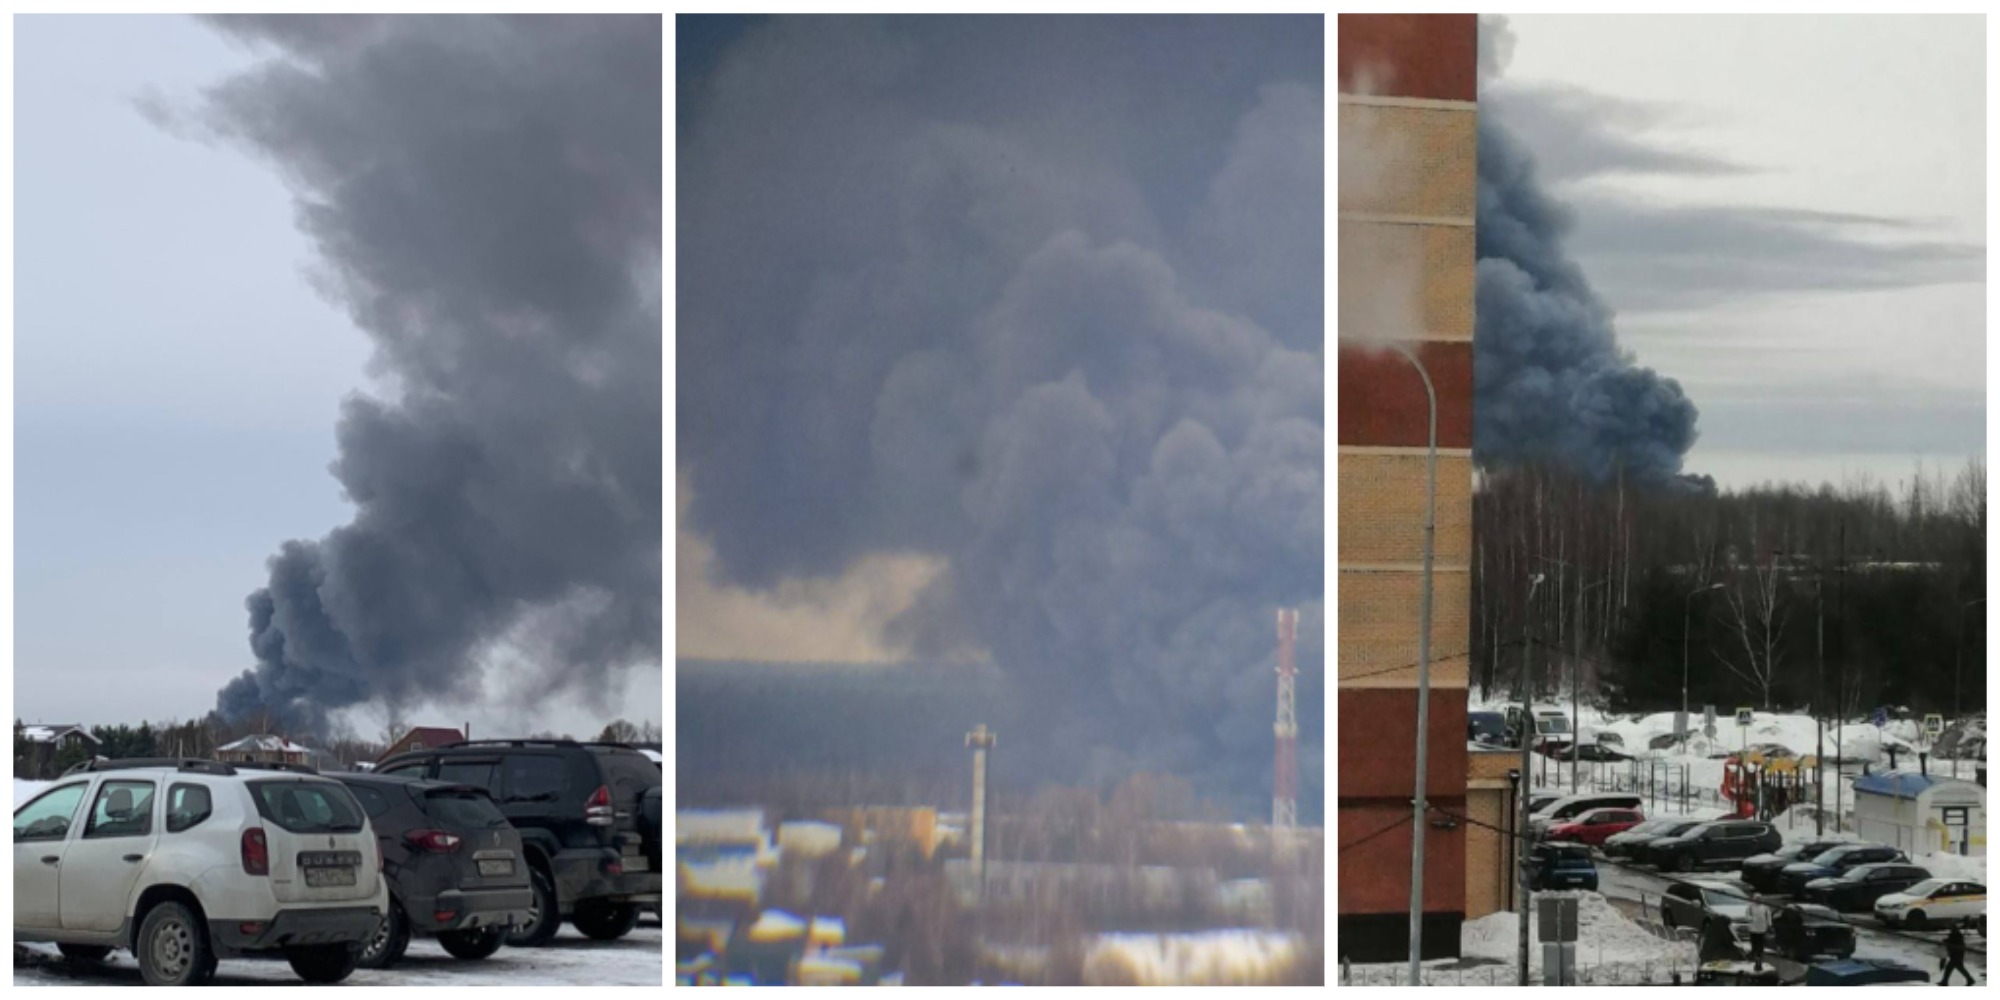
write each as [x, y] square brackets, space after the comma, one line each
[1418, 803]
[1526, 736]
[1687, 608]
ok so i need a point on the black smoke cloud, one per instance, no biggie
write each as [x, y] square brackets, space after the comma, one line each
[1551, 384]
[1044, 297]
[484, 196]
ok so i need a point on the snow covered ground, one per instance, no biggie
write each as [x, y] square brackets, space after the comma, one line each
[1202, 958]
[638, 959]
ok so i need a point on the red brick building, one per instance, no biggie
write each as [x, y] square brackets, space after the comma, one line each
[1408, 193]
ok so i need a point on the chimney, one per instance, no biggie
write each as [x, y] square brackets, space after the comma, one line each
[980, 740]
[467, 731]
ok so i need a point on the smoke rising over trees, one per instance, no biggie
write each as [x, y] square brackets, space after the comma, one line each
[1042, 297]
[1551, 385]
[484, 194]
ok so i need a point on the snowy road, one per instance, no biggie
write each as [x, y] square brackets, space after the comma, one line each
[571, 960]
[1626, 887]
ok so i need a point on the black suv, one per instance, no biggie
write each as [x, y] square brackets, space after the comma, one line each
[1856, 889]
[453, 863]
[589, 815]
[1762, 872]
[1715, 844]
[1832, 863]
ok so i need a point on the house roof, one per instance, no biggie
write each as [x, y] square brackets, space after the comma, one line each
[1904, 785]
[49, 732]
[433, 736]
[264, 742]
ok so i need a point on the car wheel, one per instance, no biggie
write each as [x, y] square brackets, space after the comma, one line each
[173, 947]
[603, 920]
[84, 954]
[391, 940]
[544, 914]
[474, 944]
[1915, 920]
[323, 963]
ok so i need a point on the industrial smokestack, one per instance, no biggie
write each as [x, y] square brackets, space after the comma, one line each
[1285, 770]
[980, 740]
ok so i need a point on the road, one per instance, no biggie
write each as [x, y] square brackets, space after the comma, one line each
[1625, 888]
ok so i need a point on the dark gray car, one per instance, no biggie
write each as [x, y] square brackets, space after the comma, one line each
[453, 863]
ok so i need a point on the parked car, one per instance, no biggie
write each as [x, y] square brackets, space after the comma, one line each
[1561, 866]
[590, 819]
[1550, 725]
[1631, 842]
[453, 863]
[185, 862]
[1714, 844]
[1864, 972]
[1803, 932]
[1693, 903]
[1486, 728]
[1588, 752]
[1595, 826]
[1792, 879]
[1571, 806]
[1538, 801]
[1761, 872]
[1856, 889]
[1934, 901]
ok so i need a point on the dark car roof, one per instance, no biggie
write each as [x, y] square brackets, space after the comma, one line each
[403, 781]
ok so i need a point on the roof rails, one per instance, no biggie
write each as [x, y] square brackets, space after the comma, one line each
[192, 765]
[609, 743]
[504, 743]
[273, 765]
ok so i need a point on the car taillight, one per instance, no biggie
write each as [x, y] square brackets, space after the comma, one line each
[256, 852]
[434, 841]
[597, 811]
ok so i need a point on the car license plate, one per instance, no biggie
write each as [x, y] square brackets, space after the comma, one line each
[502, 866]
[324, 878]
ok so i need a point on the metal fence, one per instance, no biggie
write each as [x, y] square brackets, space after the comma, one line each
[1592, 968]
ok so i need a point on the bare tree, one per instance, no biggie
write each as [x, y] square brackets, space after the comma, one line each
[1756, 619]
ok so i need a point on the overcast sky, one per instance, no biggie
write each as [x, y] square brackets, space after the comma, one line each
[1788, 215]
[177, 384]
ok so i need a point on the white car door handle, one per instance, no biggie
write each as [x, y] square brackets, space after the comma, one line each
[50, 859]
[135, 858]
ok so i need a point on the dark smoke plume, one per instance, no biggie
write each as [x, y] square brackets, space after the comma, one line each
[1043, 297]
[1551, 384]
[484, 194]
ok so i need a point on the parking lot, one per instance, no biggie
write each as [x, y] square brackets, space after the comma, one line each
[1634, 890]
[637, 959]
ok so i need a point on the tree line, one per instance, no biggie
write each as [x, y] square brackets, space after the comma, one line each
[1780, 596]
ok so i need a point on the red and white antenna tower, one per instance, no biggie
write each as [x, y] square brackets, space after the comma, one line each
[1285, 771]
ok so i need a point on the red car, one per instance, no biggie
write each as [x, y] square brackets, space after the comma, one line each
[1592, 827]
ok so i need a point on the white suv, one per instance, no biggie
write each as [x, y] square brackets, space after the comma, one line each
[186, 862]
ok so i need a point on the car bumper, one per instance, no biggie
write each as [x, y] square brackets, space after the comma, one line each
[472, 909]
[599, 874]
[293, 928]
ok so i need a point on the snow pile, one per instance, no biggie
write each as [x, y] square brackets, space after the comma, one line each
[1206, 958]
[822, 970]
[776, 925]
[711, 826]
[1605, 938]
[1953, 866]
[728, 877]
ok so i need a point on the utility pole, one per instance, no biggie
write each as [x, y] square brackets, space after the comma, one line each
[1527, 735]
[1819, 717]
[1840, 674]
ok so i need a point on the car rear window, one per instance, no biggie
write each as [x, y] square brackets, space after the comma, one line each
[307, 806]
[371, 799]
[478, 773]
[463, 810]
[534, 777]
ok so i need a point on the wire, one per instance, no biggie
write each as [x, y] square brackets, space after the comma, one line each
[1838, 917]
[1397, 825]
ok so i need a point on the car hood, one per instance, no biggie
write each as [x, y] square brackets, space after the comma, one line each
[1895, 899]
[1762, 859]
[1824, 883]
[1804, 868]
